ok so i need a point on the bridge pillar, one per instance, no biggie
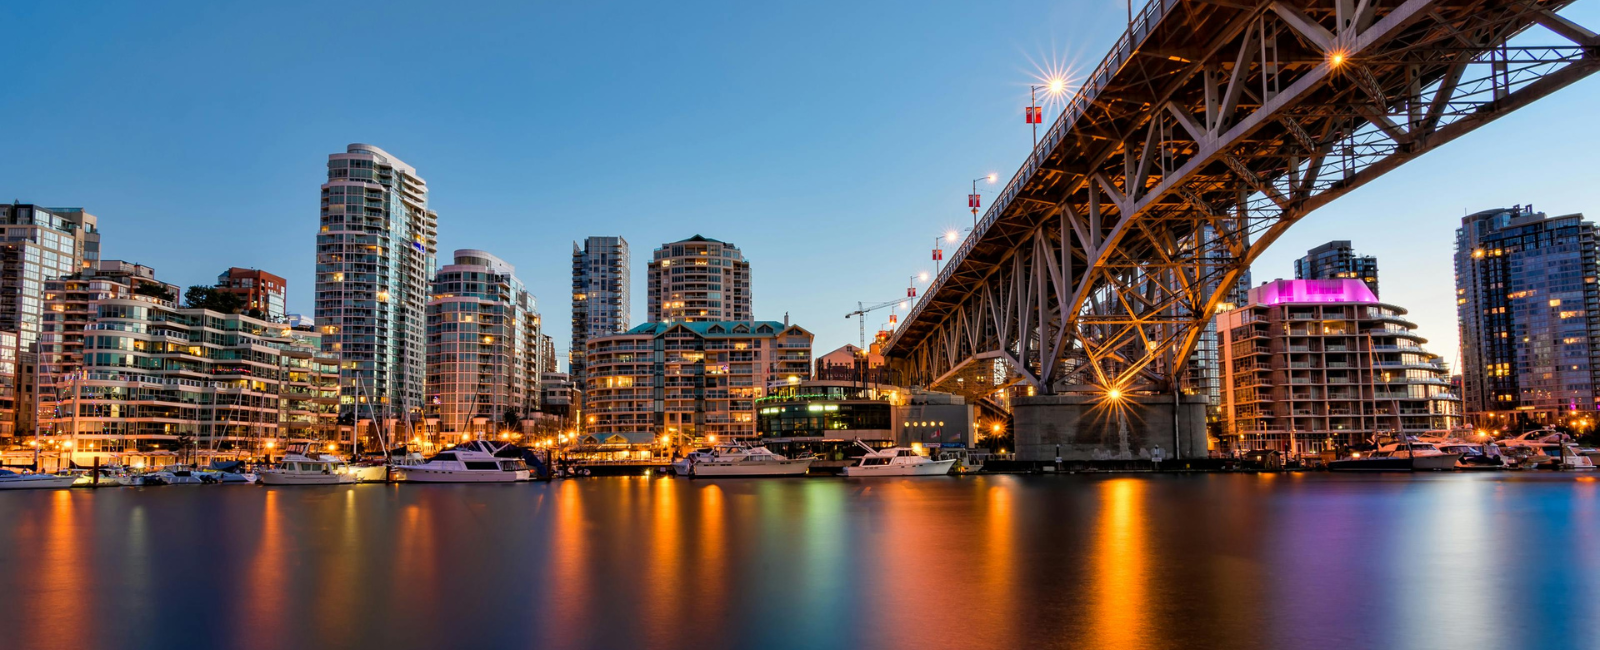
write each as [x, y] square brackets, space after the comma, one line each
[1088, 428]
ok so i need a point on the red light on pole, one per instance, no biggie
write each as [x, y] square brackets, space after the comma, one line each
[1035, 115]
[938, 255]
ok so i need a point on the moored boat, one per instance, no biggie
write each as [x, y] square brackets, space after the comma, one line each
[740, 461]
[1399, 457]
[477, 461]
[308, 469]
[897, 461]
[10, 480]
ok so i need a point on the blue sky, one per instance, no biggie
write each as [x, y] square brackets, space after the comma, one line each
[831, 141]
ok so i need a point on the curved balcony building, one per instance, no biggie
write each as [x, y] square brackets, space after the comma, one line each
[1316, 364]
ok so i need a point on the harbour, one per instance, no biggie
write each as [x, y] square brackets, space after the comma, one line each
[1133, 561]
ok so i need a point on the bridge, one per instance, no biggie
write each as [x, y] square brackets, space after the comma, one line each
[1210, 128]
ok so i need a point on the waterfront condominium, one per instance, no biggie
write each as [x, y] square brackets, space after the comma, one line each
[37, 244]
[375, 250]
[1529, 311]
[263, 293]
[158, 380]
[600, 296]
[485, 351]
[692, 382]
[1336, 260]
[699, 279]
[1320, 364]
[70, 312]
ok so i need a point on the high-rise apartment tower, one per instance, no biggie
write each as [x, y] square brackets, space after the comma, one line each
[375, 252]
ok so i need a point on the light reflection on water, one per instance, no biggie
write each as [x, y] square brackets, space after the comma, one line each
[1224, 561]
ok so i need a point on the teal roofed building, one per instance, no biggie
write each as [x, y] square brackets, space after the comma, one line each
[687, 383]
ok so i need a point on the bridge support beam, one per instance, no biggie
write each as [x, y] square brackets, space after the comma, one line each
[1090, 428]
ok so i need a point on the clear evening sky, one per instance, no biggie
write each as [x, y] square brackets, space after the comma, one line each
[831, 141]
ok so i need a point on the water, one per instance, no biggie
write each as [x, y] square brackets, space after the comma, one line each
[1219, 561]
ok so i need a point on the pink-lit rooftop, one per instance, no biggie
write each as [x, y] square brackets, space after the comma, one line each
[1280, 292]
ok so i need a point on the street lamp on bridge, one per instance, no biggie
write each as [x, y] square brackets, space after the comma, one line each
[973, 200]
[1054, 87]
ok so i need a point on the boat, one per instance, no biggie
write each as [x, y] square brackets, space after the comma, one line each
[1472, 456]
[735, 460]
[966, 461]
[229, 472]
[108, 477]
[1547, 449]
[370, 471]
[1399, 457]
[10, 480]
[478, 461]
[896, 461]
[140, 479]
[308, 468]
[180, 475]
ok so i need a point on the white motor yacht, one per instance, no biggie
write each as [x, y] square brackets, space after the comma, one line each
[734, 460]
[10, 480]
[897, 461]
[478, 461]
[308, 469]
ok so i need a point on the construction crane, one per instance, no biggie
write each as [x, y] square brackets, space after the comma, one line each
[862, 310]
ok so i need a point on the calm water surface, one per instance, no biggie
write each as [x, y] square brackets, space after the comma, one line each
[1220, 561]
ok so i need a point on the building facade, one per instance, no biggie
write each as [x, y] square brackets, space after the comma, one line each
[1336, 260]
[485, 348]
[70, 309]
[1529, 310]
[600, 296]
[37, 244]
[158, 379]
[375, 251]
[699, 279]
[851, 363]
[1314, 365]
[263, 293]
[691, 382]
[9, 386]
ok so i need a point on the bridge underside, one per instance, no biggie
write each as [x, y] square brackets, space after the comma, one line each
[1210, 129]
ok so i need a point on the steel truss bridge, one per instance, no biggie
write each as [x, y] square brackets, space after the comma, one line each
[1210, 128]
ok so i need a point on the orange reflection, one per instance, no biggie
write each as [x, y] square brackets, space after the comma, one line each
[1120, 606]
[58, 613]
[709, 568]
[663, 581]
[995, 600]
[571, 577]
[263, 617]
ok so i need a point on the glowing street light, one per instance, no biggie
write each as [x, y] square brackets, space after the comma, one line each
[1114, 394]
[1054, 87]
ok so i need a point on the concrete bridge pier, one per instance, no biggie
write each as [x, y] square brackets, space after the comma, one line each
[1092, 428]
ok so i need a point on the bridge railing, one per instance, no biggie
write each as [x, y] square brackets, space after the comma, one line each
[1121, 52]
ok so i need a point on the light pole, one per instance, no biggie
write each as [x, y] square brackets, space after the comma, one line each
[1035, 112]
[973, 200]
[938, 253]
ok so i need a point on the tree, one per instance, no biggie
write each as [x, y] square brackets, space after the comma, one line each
[204, 297]
[512, 420]
[154, 291]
